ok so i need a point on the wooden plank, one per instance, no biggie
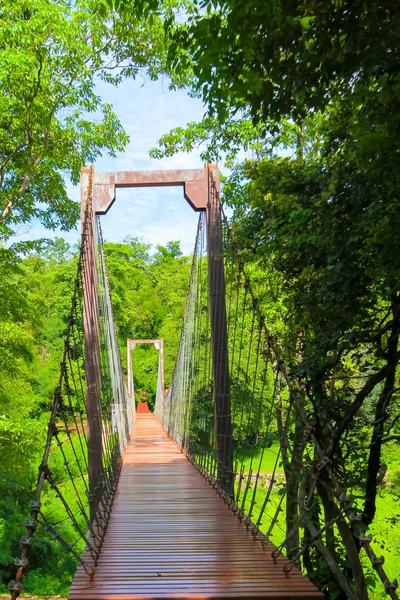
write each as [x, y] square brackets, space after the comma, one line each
[171, 536]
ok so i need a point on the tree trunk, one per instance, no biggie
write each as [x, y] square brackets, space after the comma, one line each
[374, 460]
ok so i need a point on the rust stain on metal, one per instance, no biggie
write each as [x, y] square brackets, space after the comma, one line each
[193, 181]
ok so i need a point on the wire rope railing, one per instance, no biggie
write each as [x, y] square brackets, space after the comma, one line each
[73, 502]
[187, 410]
[277, 468]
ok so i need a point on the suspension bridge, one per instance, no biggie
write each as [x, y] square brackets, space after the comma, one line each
[200, 499]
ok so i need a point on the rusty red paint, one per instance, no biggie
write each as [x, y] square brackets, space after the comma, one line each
[193, 181]
[219, 334]
[142, 407]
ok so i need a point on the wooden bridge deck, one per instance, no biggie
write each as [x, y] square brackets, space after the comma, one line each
[171, 536]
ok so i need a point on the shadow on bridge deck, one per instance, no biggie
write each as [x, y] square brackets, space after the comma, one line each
[171, 536]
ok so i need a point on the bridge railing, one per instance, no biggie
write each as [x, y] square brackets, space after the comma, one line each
[260, 403]
[271, 467]
[72, 502]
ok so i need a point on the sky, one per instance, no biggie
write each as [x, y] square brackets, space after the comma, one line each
[157, 215]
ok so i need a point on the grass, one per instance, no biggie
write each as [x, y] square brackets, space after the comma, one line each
[386, 526]
[268, 457]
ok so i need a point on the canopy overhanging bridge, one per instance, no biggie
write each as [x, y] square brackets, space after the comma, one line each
[200, 499]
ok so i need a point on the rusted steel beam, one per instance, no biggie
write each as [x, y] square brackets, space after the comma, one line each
[92, 348]
[193, 181]
[219, 334]
[161, 363]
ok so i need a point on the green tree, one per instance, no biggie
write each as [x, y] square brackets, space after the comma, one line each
[148, 294]
[332, 248]
[279, 58]
[35, 298]
[52, 120]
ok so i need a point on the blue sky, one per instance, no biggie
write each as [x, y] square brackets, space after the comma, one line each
[158, 215]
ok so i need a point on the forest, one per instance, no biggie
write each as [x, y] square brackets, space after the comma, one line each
[301, 103]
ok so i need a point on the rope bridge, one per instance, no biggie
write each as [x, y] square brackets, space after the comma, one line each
[231, 408]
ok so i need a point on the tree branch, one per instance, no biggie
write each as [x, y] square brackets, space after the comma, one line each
[330, 559]
[9, 157]
[355, 406]
[391, 438]
[21, 191]
[374, 459]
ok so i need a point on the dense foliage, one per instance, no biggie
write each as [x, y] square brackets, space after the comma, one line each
[52, 120]
[148, 293]
[328, 251]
